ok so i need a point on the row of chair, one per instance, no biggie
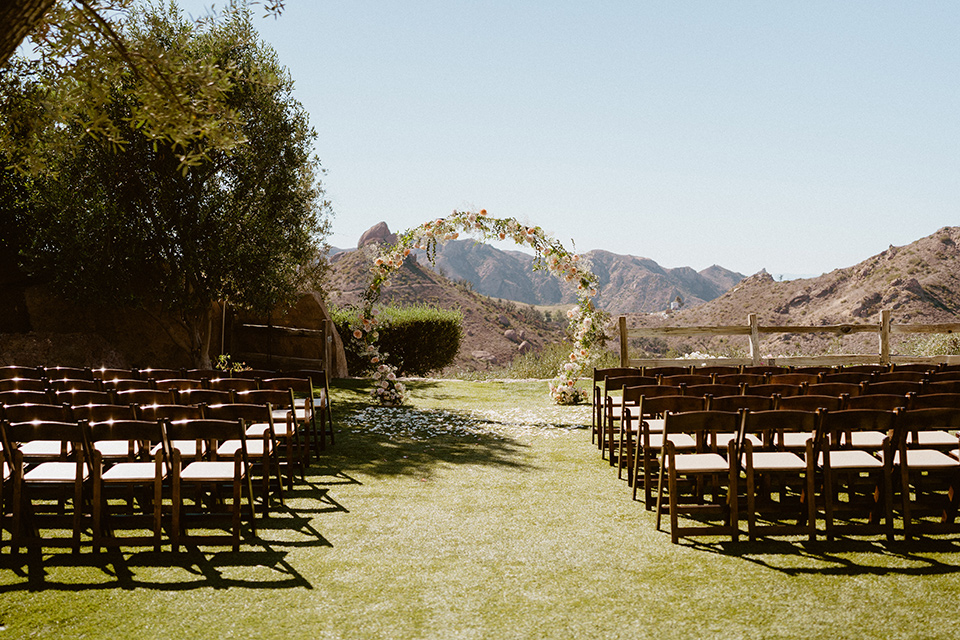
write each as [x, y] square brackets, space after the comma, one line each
[638, 446]
[782, 470]
[185, 474]
[135, 373]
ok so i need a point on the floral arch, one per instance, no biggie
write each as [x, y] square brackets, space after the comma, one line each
[550, 254]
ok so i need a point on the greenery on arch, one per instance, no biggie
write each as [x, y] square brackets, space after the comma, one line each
[585, 320]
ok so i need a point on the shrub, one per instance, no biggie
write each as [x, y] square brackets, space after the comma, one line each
[545, 363]
[416, 339]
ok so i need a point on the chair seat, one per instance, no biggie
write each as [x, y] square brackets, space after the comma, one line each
[933, 439]
[210, 471]
[776, 461]
[133, 472]
[794, 440]
[927, 459]
[43, 448]
[281, 414]
[852, 459]
[55, 472]
[187, 448]
[255, 448]
[866, 439]
[701, 463]
[257, 429]
[113, 448]
[679, 440]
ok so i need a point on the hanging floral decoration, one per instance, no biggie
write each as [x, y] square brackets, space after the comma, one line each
[585, 319]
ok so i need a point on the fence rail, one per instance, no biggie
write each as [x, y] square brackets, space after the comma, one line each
[884, 329]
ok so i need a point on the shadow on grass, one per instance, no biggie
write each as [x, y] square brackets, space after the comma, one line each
[844, 556]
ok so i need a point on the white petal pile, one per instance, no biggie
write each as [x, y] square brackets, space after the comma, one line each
[418, 424]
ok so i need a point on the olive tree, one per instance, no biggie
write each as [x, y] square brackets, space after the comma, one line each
[130, 224]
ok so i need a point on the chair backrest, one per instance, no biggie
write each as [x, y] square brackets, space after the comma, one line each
[942, 386]
[720, 370]
[632, 395]
[772, 425]
[736, 402]
[712, 390]
[915, 366]
[764, 369]
[17, 371]
[865, 368]
[840, 424]
[202, 374]
[160, 374]
[704, 426]
[74, 384]
[660, 405]
[793, 378]
[104, 412]
[617, 383]
[83, 396]
[178, 384]
[126, 384]
[207, 430]
[299, 385]
[900, 376]
[277, 398]
[811, 402]
[665, 371]
[131, 431]
[740, 378]
[145, 396]
[233, 384]
[686, 378]
[20, 396]
[24, 384]
[919, 420]
[944, 376]
[899, 388]
[173, 412]
[615, 372]
[856, 377]
[37, 412]
[249, 413]
[833, 389]
[204, 396]
[107, 373]
[933, 400]
[19, 433]
[76, 373]
[780, 389]
[878, 401]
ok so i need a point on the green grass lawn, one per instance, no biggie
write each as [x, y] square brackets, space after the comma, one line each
[481, 510]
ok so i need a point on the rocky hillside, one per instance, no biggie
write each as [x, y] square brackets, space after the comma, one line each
[627, 283]
[495, 331]
[919, 283]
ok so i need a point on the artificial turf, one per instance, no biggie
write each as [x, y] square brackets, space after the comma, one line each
[480, 510]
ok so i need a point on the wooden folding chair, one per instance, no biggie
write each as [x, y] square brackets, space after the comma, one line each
[863, 477]
[771, 469]
[640, 444]
[929, 478]
[262, 449]
[284, 424]
[41, 491]
[304, 410]
[135, 474]
[610, 407]
[210, 477]
[690, 477]
[629, 400]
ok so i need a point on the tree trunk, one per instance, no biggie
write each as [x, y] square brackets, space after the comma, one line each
[200, 330]
[17, 19]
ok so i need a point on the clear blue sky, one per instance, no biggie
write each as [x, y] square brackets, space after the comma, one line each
[794, 136]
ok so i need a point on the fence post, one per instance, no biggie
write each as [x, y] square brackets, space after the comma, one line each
[624, 354]
[885, 336]
[754, 339]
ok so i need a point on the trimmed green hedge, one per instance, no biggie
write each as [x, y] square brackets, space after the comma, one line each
[416, 339]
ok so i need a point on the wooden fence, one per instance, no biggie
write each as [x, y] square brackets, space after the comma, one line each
[754, 330]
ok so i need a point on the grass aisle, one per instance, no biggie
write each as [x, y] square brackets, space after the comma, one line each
[482, 511]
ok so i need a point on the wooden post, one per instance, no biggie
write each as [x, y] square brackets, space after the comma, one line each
[885, 336]
[754, 338]
[624, 352]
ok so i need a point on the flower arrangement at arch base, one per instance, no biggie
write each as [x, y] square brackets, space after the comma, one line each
[585, 326]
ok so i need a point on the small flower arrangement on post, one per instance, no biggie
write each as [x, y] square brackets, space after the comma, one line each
[549, 254]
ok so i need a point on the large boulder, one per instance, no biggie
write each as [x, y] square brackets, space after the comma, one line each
[379, 234]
